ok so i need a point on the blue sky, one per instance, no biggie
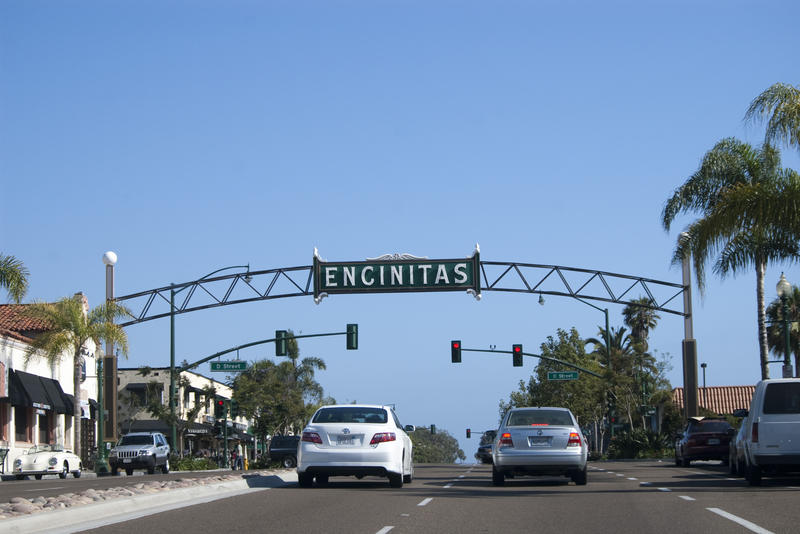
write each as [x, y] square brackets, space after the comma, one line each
[189, 136]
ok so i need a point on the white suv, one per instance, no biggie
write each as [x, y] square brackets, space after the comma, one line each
[140, 450]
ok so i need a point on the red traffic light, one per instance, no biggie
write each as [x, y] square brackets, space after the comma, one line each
[220, 402]
[456, 344]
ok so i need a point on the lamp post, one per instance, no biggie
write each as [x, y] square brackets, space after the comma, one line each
[109, 379]
[784, 289]
[172, 293]
[705, 391]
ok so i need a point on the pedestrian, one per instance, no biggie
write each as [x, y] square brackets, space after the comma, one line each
[239, 457]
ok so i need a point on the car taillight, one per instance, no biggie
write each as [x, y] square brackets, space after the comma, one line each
[754, 433]
[312, 437]
[505, 440]
[574, 440]
[691, 442]
[381, 437]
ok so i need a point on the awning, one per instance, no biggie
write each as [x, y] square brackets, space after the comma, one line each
[136, 386]
[199, 429]
[53, 390]
[68, 401]
[148, 425]
[27, 389]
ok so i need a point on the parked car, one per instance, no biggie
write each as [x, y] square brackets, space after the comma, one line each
[484, 454]
[771, 443]
[539, 441]
[355, 440]
[736, 448]
[45, 459]
[283, 449]
[140, 450]
[704, 438]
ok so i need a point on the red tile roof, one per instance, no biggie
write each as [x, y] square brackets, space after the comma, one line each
[14, 323]
[719, 399]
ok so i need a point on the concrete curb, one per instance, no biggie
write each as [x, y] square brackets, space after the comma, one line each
[112, 511]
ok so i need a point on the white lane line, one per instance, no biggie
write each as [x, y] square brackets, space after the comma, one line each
[425, 501]
[461, 476]
[645, 483]
[664, 489]
[743, 522]
[687, 498]
[448, 486]
[42, 489]
[620, 475]
[384, 530]
[632, 478]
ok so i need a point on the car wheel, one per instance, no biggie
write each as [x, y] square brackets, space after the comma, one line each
[677, 460]
[322, 480]
[579, 477]
[114, 470]
[64, 471]
[407, 479]
[289, 461]
[37, 477]
[498, 478]
[77, 474]
[685, 462]
[731, 465]
[395, 480]
[20, 477]
[740, 468]
[129, 472]
[754, 475]
[151, 470]
[305, 479]
[165, 467]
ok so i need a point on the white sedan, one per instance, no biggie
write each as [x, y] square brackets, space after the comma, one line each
[46, 459]
[355, 440]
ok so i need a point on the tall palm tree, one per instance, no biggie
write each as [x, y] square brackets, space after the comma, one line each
[70, 327]
[726, 168]
[640, 318]
[780, 106]
[13, 277]
[776, 337]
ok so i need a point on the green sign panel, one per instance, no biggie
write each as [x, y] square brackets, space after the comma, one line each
[562, 375]
[396, 273]
[229, 366]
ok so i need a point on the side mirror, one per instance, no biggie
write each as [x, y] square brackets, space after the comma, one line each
[409, 428]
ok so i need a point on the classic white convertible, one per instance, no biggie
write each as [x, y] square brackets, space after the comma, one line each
[42, 460]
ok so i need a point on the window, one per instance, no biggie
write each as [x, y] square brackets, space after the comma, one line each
[782, 397]
[351, 415]
[22, 424]
[141, 439]
[44, 427]
[539, 417]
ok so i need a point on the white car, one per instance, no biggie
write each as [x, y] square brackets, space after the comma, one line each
[539, 441]
[355, 440]
[45, 459]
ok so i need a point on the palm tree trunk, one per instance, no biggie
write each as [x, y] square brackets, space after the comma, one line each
[763, 347]
[76, 406]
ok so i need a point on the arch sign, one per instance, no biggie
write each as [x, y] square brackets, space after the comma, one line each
[396, 273]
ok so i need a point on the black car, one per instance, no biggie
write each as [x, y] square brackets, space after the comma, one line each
[484, 454]
[283, 449]
[705, 438]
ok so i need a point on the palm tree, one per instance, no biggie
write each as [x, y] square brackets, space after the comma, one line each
[640, 318]
[726, 168]
[780, 106]
[70, 327]
[776, 337]
[13, 277]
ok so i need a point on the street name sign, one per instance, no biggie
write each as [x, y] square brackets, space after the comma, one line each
[562, 375]
[229, 366]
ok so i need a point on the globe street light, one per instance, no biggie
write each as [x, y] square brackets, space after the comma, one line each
[784, 289]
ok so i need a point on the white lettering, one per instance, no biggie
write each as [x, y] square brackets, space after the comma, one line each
[349, 275]
[397, 275]
[411, 275]
[425, 269]
[461, 275]
[330, 272]
[381, 271]
[368, 268]
[441, 274]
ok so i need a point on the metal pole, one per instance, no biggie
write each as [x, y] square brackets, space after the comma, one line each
[101, 464]
[173, 429]
[705, 391]
[110, 362]
[689, 345]
[225, 437]
[787, 364]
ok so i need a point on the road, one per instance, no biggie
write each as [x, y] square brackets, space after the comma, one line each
[641, 497]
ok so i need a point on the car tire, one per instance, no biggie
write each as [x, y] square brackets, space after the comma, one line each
[677, 461]
[395, 480]
[579, 477]
[322, 480]
[685, 462]
[305, 479]
[77, 474]
[129, 472]
[151, 470]
[498, 478]
[165, 468]
[37, 477]
[114, 470]
[289, 461]
[20, 477]
[741, 468]
[754, 475]
[64, 471]
[731, 465]
[409, 478]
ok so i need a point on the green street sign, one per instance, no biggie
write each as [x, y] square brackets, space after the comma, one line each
[562, 375]
[229, 366]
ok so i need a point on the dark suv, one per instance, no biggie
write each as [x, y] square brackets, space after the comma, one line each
[283, 449]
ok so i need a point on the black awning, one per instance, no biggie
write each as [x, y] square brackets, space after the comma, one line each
[54, 392]
[199, 429]
[136, 386]
[68, 401]
[148, 425]
[27, 390]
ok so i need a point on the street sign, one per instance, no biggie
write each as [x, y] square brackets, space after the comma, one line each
[229, 366]
[562, 375]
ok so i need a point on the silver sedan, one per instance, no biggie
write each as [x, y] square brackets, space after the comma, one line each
[539, 441]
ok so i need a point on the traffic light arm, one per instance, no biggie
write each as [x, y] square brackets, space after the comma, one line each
[579, 368]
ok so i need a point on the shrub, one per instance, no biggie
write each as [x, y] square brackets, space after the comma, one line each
[640, 443]
[194, 464]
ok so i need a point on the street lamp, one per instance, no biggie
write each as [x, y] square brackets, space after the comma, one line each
[172, 293]
[107, 379]
[784, 289]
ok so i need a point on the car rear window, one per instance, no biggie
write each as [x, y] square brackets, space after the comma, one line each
[539, 417]
[783, 397]
[710, 426]
[136, 440]
[347, 414]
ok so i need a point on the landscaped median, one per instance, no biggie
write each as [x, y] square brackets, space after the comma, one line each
[94, 508]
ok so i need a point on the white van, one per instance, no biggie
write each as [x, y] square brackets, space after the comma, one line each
[772, 439]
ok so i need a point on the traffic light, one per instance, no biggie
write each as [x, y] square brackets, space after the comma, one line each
[352, 337]
[516, 350]
[469, 433]
[433, 429]
[455, 351]
[280, 343]
[219, 408]
[234, 409]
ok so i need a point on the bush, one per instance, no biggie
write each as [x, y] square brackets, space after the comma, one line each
[640, 443]
[193, 464]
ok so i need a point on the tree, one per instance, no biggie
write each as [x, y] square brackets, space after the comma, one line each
[13, 277]
[776, 336]
[726, 168]
[69, 328]
[780, 106]
[439, 448]
[640, 318]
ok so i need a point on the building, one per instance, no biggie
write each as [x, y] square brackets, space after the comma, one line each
[721, 400]
[36, 397]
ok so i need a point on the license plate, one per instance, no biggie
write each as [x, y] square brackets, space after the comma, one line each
[713, 441]
[126, 461]
[344, 440]
[538, 441]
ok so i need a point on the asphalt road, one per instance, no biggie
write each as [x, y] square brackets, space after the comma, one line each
[638, 497]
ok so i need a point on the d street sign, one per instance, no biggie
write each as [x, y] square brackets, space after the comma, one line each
[229, 366]
[562, 375]
[396, 273]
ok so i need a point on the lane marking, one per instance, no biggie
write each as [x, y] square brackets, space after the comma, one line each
[743, 522]
[687, 498]
[425, 501]
[664, 489]
[620, 475]
[384, 530]
[645, 483]
[461, 476]
[448, 486]
[632, 478]
[42, 489]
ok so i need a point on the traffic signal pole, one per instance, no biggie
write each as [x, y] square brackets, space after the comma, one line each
[520, 353]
